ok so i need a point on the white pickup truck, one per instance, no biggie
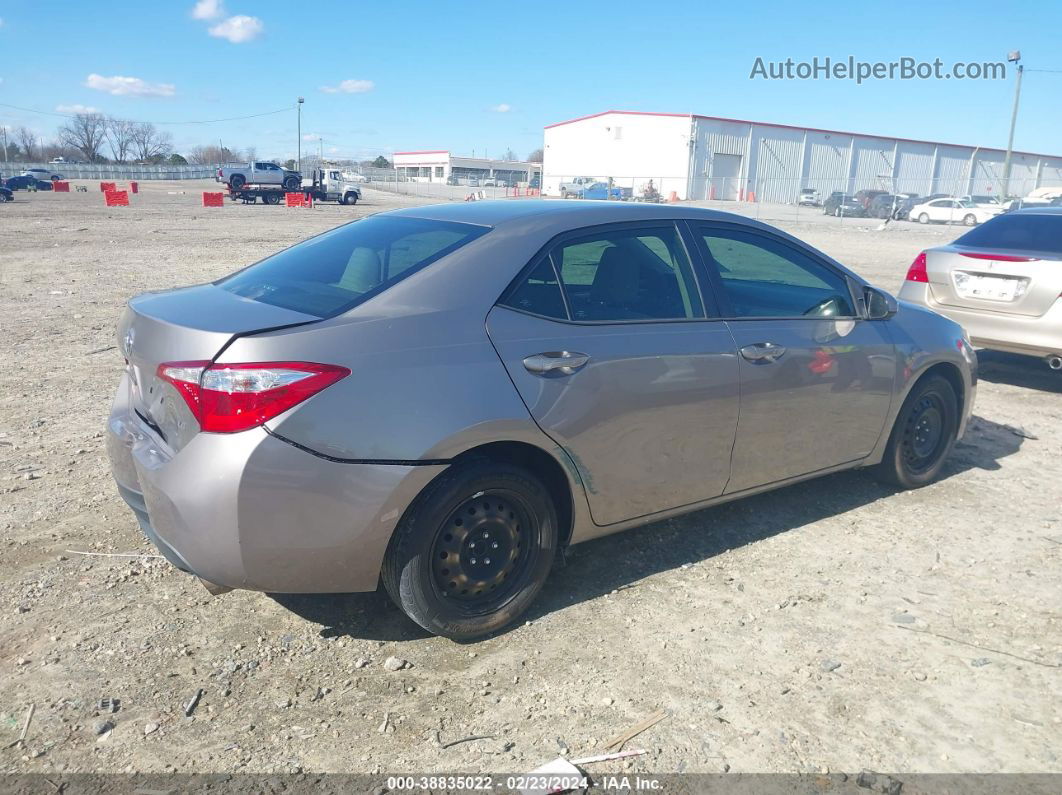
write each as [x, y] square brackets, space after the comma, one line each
[259, 173]
[571, 187]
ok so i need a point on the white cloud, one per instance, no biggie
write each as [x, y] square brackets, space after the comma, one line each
[350, 87]
[502, 108]
[238, 29]
[129, 86]
[76, 108]
[310, 136]
[208, 9]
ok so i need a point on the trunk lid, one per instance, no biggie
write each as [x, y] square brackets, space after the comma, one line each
[190, 324]
[1007, 281]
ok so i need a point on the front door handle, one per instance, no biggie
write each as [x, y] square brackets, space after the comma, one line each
[763, 352]
[564, 362]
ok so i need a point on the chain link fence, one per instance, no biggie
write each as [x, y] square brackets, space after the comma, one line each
[113, 171]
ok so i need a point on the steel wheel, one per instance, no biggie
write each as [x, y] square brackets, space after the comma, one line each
[923, 436]
[473, 550]
[481, 551]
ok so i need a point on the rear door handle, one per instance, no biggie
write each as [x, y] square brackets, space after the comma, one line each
[763, 352]
[564, 362]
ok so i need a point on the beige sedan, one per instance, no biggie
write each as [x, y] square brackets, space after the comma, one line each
[1002, 281]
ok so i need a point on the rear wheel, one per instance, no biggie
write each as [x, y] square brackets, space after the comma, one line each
[837, 212]
[970, 220]
[271, 198]
[291, 183]
[237, 181]
[923, 218]
[923, 435]
[473, 551]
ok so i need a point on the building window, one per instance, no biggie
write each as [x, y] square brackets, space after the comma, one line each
[438, 172]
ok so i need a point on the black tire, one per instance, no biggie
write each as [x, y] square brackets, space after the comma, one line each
[923, 218]
[432, 555]
[922, 436]
[271, 198]
[350, 198]
[237, 181]
[970, 219]
[291, 183]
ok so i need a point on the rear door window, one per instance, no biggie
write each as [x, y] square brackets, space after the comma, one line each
[334, 272]
[1041, 233]
[627, 275]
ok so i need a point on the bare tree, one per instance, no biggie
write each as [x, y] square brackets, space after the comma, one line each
[206, 155]
[535, 156]
[27, 140]
[120, 138]
[509, 155]
[252, 153]
[86, 133]
[149, 143]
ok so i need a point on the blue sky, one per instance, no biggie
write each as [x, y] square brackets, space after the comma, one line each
[486, 76]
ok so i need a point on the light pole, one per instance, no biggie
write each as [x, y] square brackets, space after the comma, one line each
[1012, 57]
[298, 162]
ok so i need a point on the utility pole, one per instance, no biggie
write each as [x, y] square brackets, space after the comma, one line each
[4, 128]
[298, 162]
[1013, 57]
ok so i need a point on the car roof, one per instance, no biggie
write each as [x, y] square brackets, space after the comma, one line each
[1047, 209]
[564, 213]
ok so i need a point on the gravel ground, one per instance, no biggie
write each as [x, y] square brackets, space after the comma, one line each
[834, 625]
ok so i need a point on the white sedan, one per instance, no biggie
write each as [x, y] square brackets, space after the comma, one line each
[951, 211]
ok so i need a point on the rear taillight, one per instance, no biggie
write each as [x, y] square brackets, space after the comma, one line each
[917, 271]
[998, 257]
[226, 398]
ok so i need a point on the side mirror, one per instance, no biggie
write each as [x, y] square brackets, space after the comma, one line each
[880, 305]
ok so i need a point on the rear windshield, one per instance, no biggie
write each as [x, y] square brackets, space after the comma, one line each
[331, 273]
[1039, 233]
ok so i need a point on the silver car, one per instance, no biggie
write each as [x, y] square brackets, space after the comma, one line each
[444, 397]
[1001, 281]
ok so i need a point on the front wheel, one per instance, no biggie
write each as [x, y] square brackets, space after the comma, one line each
[291, 183]
[350, 198]
[923, 435]
[923, 218]
[837, 212]
[473, 551]
[970, 220]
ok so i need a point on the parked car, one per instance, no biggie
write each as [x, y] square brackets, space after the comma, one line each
[883, 205]
[42, 174]
[1001, 281]
[809, 197]
[488, 182]
[570, 188]
[983, 200]
[865, 197]
[25, 182]
[59, 159]
[842, 205]
[903, 209]
[951, 211]
[473, 182]
[601, 190]
[6, 195]
[260, 172]
[417, 397]
[536, 182]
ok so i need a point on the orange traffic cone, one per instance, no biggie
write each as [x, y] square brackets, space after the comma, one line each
[673, 197]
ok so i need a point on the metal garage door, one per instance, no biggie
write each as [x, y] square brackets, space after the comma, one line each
[725, 183]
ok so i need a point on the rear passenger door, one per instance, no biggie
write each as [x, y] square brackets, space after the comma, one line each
[607, 339]
[816, 377]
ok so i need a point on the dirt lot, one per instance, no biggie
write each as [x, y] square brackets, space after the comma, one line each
[835, 625]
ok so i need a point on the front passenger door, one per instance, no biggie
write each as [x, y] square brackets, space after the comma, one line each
[816, 377]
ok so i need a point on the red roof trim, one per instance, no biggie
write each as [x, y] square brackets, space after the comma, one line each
[426, 152]
[793, 127]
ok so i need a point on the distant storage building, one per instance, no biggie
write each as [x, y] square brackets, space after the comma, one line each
[704, 157]
[438, 165]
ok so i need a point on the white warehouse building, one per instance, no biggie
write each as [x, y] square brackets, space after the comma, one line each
[439, 165]
[705, 157]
